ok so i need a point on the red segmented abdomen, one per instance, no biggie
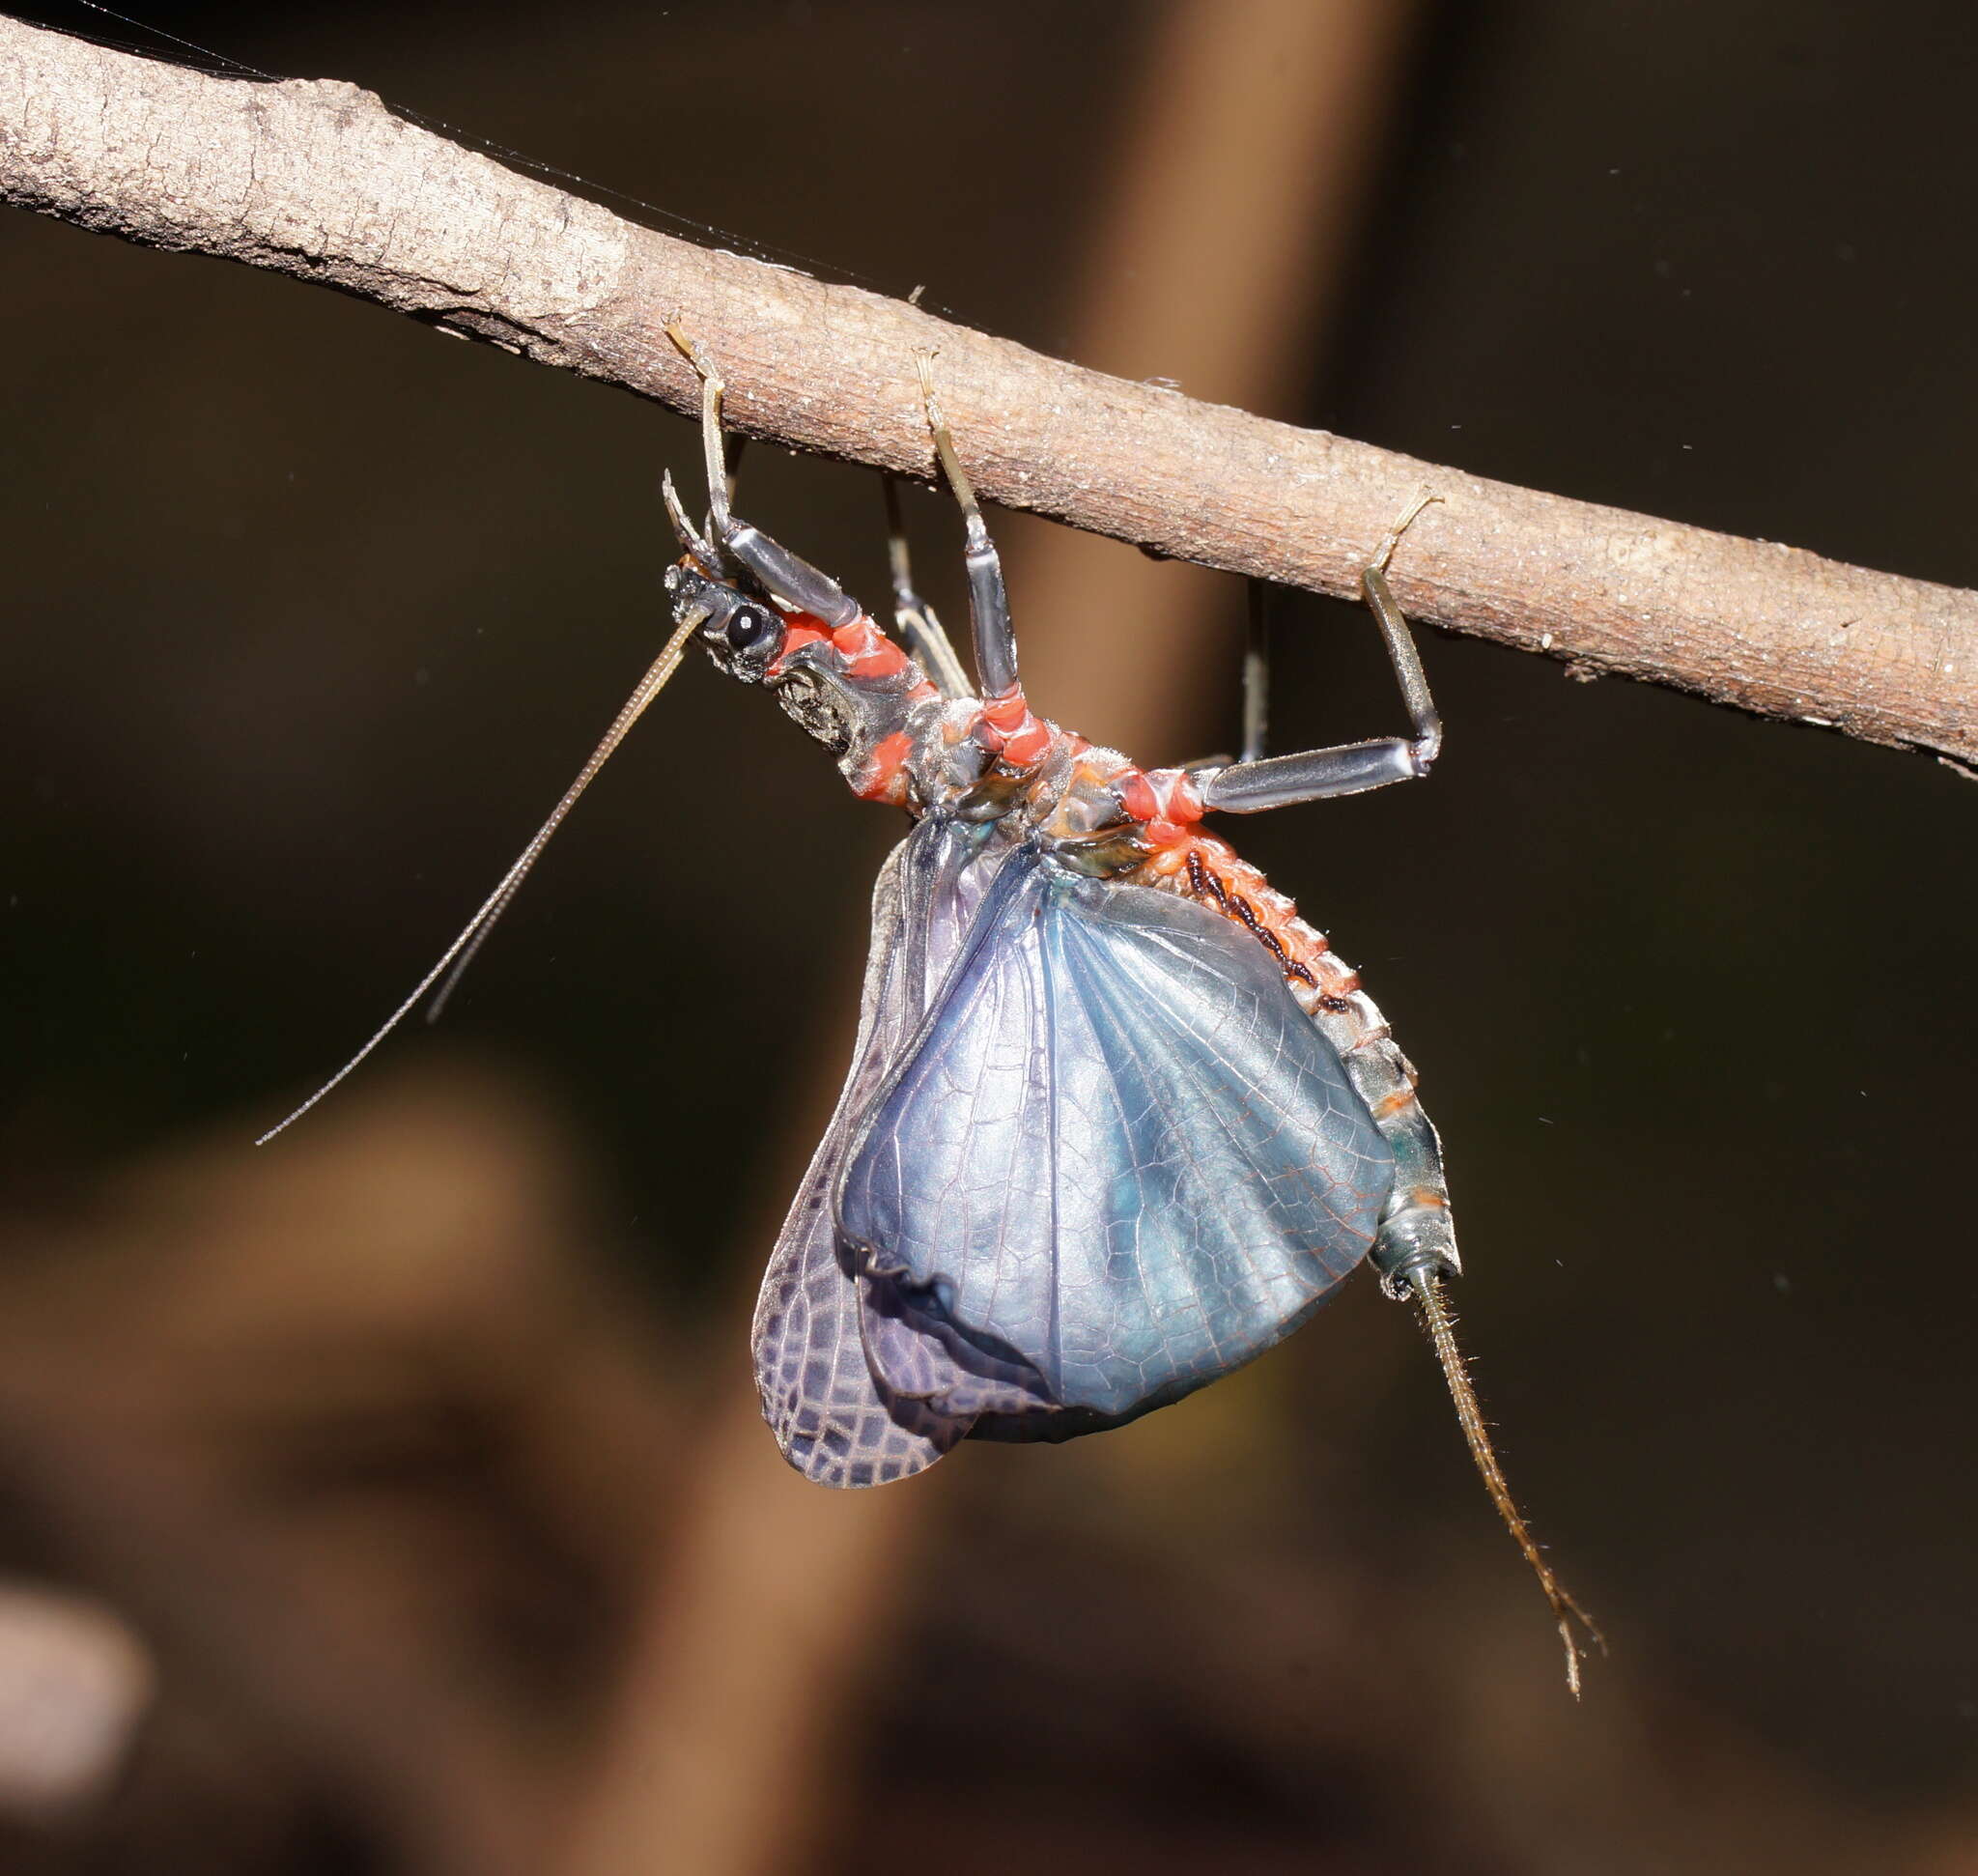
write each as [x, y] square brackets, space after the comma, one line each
[1214, 874]
[1169, 805]
[1219, 876]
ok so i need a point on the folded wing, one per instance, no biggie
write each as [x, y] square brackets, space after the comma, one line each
[1114, 1160]
[818, 1392]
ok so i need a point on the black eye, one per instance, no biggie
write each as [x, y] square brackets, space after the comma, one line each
[748, 626]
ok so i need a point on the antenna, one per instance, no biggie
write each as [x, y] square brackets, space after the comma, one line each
[458, 955]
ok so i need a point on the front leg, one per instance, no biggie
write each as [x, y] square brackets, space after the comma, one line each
[788, 578]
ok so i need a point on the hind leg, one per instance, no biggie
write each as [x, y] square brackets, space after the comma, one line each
[1259, 781]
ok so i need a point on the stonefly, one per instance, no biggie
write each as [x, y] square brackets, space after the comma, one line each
[1117, 1119]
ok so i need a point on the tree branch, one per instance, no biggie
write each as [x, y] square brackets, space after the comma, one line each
[318, 179]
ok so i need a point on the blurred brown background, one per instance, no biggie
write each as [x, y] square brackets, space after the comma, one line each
[392, 1499]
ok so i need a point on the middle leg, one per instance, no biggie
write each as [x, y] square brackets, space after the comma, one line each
[988, 598]
[927, 638]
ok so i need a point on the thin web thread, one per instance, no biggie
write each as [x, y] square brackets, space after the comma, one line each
[764, 251]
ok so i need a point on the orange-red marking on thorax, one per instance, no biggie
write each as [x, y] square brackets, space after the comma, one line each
[1164, 800]
[799, 629]
[1008, 728]
[885, 775]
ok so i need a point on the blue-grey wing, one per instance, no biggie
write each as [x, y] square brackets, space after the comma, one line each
[1115, 1160]
[819, 1397]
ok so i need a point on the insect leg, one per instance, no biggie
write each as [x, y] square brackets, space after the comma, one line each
[988, 598]
[1249, 786]
[1257, 677]
[926, 638]
[1256, 686]
[788, 578]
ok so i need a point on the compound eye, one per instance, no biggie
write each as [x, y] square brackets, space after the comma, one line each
[748, 626]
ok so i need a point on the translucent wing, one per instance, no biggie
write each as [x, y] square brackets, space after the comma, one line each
[818, 1393]
[1115, 1161]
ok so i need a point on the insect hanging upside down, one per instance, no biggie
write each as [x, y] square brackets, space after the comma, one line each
[1117, 1119]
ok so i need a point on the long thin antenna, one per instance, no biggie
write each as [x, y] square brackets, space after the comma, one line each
[459, 953]
[1442, 1333]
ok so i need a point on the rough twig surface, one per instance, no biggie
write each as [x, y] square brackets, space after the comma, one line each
[318, 179]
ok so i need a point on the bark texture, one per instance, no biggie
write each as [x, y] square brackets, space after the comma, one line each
[316, 179]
